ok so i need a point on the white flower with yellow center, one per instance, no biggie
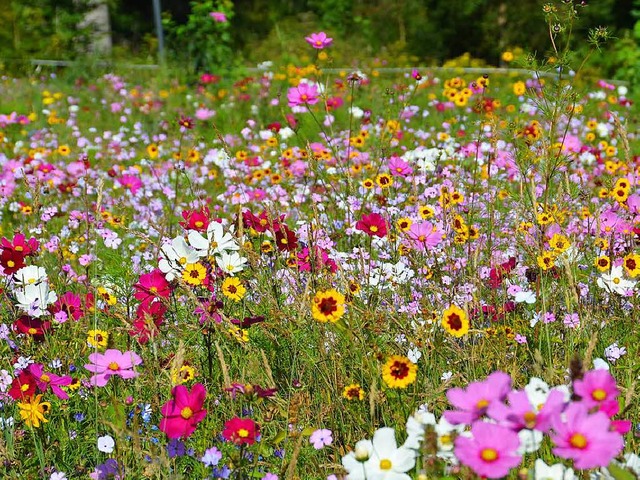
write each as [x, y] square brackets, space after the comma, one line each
[231, 263]
[615, 282]
[387, 461]
[175, 256]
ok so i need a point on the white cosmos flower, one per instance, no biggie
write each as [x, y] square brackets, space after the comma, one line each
[34, 298]
[231, 263]
[553, 472]
[387, 461]
[613, 282]
[353, 462]
[217, 240]
[175, 256]
[526, 296]
[416, 426]
[29, 275]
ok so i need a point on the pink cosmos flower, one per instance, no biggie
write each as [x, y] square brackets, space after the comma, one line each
[303, 94]
[424, 235]
[520, 414]
[373, 225]
[319, 40]
[44, 380]
[218, 17]
[473, 402]
[112, 362]
[585, 438]
[491, 452]
[597, 389]
[398, 167]
[184, 411]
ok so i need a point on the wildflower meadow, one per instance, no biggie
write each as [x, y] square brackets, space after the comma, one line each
[304, 271]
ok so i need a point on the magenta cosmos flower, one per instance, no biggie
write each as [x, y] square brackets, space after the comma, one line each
[218, 16]
[585, 438]
[184, 411]
[597, 389]
[303, 94]
[45, 380]
[319, 40]
[473, 402]
[491, 452]
[112, 362]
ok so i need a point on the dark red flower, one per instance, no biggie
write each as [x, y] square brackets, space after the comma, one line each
[11, 261]
[286, 239]
[23, 386]
[149, 316]
[31, 326]
[373, 225]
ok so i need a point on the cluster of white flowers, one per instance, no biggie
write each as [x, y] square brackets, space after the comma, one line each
[218, 245]
[31, 291]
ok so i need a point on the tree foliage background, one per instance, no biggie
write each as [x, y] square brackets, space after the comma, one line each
[425, 32]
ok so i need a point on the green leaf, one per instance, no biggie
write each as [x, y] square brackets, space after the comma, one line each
[308, 431]
[280, 437]
[620, 473]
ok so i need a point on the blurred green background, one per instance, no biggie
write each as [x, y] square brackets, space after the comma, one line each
[395, 32]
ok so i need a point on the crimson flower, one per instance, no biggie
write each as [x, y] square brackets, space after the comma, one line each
[196, 219]
[183, 413]
[373, 225]
[241, 431]
[23, 386]
[32, 326]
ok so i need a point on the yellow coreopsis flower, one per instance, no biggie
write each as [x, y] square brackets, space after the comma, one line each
[32, 411]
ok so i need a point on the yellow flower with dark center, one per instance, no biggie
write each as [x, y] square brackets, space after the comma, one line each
[603, 263]
[404, 224]
[328, 306]
[546, 261]
[64, 150]
[455, 321]
[152, 151]
[426, 212]
[184, 374]
[194, 274]
[233, 289]
[399, 372]
[107, 296]
[631, 264]
[619, 194]
[559, 243]
[32, 411]
[368, 183]
[97, 338]
[384, 180]
[353, 392]
[458, 224]
[544, 218]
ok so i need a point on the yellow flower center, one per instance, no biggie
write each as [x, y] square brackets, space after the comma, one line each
[489, 454]
[45, 378]
[385, 464]
[32, 331]
[182, 260]
[24, 387]
[482, 404]
[243, 433]
[153, 289]
[114, 366]
[373, 228]
[11, 264]
[578, 440]
[599, 394]
[186, 413]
